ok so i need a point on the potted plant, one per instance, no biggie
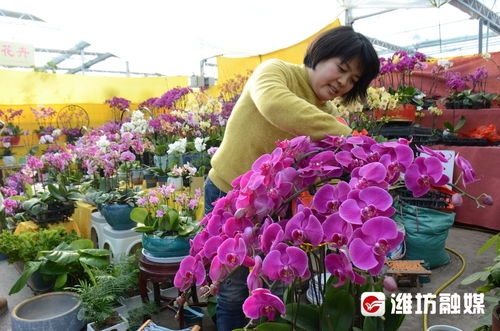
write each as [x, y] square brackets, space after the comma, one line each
[150, 178]
[54, 203]
[8, 157]
[64, 264]
[12, 119]
[490, 279]
[116, 206]
[166, 230]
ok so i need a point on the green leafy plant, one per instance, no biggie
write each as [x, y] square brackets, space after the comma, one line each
[469, 100]
[7, 151]
[65, 263]
[452, 129]
[137, 314]
[409, 95]
[25, 246]
[118, 196]
[490, 278]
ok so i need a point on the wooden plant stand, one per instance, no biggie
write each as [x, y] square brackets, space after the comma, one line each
[407, 271]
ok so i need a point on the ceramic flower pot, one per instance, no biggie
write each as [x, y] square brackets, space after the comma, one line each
[176, 181]
[136, 177]
[151, 180]
[402, 113]
[14, 140]
[122, 325]
[168, 246]
[118, 216]
[9, 160]
[162, 180]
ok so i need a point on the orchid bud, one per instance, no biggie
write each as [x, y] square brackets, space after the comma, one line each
[214, 289]
[203, 291]
[180, 300]
[390, 284]
[240, 213]
[457, 200]
[487, 200]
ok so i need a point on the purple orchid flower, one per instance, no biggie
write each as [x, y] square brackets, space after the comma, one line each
[468, 173]
[285, 265]
[263, 303]
[271, 236]
[232, 252]
[424, 172]
[348, 161]
[372, 241]
[371, 174]
[198, 242]
[337, 231]
[253, 280]
[209, 251]
[328, 198]
[362, 205]
[431, 152]
[191, 270]
[340, 266]
[321, 165]
[304, 227]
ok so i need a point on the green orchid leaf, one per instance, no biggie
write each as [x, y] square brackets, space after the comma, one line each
[29, 269]
[460, 123]
[304, 316]
[55, 192]
[61, 281]
[270, 326]
[337, 310]
[139, 215]
[144, 228]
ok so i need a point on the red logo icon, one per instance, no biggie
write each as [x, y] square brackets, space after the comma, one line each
[373, 304]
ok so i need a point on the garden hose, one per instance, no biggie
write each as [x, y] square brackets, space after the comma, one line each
[449, 281]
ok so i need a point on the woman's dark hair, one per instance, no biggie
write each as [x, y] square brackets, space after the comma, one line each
[345, 43]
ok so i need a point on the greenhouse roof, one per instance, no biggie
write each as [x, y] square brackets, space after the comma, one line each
[172, 38]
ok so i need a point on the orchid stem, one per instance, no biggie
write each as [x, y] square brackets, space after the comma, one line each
[455, 187]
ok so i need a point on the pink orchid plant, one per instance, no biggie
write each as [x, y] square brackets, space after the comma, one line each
[346, 230]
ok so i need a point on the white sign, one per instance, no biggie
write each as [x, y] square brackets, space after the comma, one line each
[15, 54]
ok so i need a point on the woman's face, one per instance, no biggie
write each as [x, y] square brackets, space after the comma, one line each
[331, 78]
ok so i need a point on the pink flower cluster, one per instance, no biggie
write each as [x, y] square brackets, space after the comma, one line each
[250, 227]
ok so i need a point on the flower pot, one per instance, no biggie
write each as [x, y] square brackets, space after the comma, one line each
[122, 325]
[14, 140]
[51, 311]
[162, 180]
[197, 183]
[9, 161]
[168, 246]
[160, 161]
[176, 181]
[151, 180]
[118, 216]
[402, 113]
[136, 177]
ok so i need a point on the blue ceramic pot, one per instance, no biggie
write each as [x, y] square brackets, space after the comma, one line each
[118, 216]
[165, 247]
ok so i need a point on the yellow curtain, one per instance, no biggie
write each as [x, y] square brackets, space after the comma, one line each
[21, 88]
[229, 67]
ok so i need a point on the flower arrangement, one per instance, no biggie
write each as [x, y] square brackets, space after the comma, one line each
[72, 134]
[346, 230]
[160, 215]
[11, 118]
[118, 106]
[172, 99]
[44, 117]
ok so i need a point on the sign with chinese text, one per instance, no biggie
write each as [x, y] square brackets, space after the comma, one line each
[15, 54]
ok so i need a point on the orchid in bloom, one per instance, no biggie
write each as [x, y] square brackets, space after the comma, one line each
[263, 303]
[285, 264]
[340, 266]
[423, 173]
[362, 205]
[191, 270]
[304, 227]
[253, 280]
[468, 173]
[329, 198]
[372, 241]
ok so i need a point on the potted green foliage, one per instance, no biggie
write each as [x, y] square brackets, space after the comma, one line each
[116, 206]
[65, 263]
[8, 157]
[490, 278]
[53, 204]
[469, 100]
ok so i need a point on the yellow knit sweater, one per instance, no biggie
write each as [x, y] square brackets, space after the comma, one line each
[277, 103]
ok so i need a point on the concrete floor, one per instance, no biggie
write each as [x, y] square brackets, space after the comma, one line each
[465, 241]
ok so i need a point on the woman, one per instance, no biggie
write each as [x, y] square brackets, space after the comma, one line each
[282, 101]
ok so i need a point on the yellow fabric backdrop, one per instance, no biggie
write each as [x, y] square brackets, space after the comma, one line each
[229, 67]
